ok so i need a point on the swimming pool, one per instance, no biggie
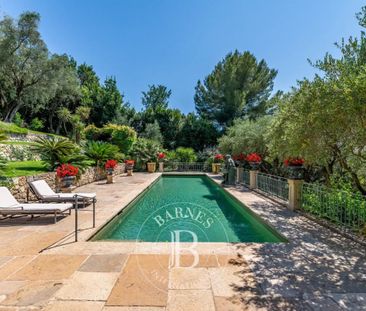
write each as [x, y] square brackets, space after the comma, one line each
[187, 208]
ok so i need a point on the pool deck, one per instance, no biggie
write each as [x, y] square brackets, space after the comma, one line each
[42, 268]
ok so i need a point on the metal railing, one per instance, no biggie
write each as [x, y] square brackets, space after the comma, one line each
[185, 167]
[342, 208]
[273, 185]
[246, 178]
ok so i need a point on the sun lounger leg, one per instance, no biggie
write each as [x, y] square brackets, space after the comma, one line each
[55, 220]
[93, 212]
[76, 219]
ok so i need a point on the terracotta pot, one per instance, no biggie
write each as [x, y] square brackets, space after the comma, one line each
[295, 172]
[216, 167]
[151, 167]
[161, 166]
[110, 179]
[67, 181]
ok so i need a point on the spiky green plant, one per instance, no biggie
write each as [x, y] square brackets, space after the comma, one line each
[53, 149]
[100, 152]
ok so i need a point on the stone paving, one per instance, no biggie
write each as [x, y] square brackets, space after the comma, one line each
[42, 268]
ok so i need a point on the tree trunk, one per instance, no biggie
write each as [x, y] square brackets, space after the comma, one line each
[11, 112]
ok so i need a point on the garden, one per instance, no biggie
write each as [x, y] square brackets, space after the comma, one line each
[65, 120]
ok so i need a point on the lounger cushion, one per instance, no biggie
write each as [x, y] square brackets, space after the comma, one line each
[6, 198]
[72, 195]
[44, 192]
[46, 207]
[41, 188]
[9, 204]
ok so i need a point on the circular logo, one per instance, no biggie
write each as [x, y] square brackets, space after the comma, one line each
[180, 228]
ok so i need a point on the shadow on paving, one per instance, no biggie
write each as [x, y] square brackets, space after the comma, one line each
[316, 270]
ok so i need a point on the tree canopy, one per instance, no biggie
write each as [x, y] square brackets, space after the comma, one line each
[238, 86]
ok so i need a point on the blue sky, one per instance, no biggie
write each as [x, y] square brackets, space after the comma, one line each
[175, 43]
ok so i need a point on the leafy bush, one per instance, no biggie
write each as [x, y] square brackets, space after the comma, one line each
[343, 208]
[100, 152]
[36, 124]
[152, 132]
[145, 150]
[122, 136]
[207, 154]
[92, 132]
[11, 128]
[53, 149]
[182, 154]
[18, 120]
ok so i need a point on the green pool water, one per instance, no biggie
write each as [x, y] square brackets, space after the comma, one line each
[187, 208]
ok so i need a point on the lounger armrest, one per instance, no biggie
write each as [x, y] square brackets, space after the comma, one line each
[47, 197]
[12, 207]
[82, 196]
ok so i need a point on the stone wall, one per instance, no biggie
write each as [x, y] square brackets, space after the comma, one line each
[21, 192]
[15, 152]
[20, 151]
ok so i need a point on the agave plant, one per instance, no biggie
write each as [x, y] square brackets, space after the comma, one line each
[53, 149]
[100, 152]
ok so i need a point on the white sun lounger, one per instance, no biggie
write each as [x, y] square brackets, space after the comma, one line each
[44, 193]
[9, 206]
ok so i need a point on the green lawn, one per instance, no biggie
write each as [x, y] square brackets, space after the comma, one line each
[24, 168]
[11, 128]
[16, 142]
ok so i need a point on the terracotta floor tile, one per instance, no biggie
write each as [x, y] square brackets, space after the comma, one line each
[189, 278]
[8, 287]
[4, 260]
[205, 261]
[13, 265]
[88, 286]
[190, 300]
[225, 281]
[49, 267]
[133, 309]
[104, 263]
[143, 282]
[33, 294]
[75, 306]
[32, 244]
[227, 304]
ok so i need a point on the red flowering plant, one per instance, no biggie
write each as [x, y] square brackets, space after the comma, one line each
[65, 170]
[219, 158]
[253, 158]
[239, 157]
[161, 156]
[110, 166]
[129, 164]
[294, 161]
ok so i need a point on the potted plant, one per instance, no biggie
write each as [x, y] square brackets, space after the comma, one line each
[151, 166]
[109, 167]
[67, 173]
[129, 166]
[161, 158]
[216, 165]
[254, 160]
[295, 167]
[239, 158]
